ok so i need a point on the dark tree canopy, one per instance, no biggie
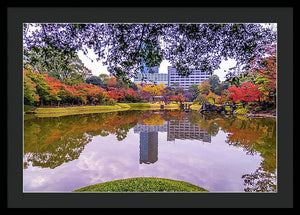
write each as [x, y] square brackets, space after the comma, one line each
[124, 47]
[67, 68]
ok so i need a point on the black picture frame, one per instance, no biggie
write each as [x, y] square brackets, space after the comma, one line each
[13, 159]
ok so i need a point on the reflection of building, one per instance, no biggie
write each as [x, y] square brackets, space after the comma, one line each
[147, 128]
[185, 82]
[149, 141]
[183, 129]
[176, 129]
[148, 147]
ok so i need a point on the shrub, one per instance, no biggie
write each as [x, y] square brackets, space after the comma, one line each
[242, 111]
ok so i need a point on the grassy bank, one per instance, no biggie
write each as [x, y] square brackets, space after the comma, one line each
[196, 107]
[168, 106]
[150, 106]
[28, 107]
[63, 111]
[143, 184]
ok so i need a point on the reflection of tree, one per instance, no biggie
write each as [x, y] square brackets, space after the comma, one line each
[250, 131]
[255, 136]
[160, 117]
[205, 122]
[260, 181]
[155, 119]
[245, 137]
[49, 142]
[60, 151]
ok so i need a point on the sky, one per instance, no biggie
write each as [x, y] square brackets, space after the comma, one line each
[97, 68]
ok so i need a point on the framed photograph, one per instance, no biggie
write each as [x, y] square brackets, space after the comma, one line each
[136, 107]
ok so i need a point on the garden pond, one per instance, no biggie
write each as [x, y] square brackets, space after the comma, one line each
[218, 153]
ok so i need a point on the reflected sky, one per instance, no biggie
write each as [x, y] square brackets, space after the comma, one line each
[147, 150]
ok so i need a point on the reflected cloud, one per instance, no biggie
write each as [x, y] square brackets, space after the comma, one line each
[66, 153]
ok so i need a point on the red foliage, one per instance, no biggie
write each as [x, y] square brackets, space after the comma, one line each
[266, 67]
[177, 98]
[248, 92]
[81, 92]
[116, 94]
[112, 82]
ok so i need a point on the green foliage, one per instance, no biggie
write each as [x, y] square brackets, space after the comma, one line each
[242, 111]
[143, 184]
[214, 81]
[243, 78]
[222, 86]
[96, 80]
[65, 66]
[109, 101]
[200, 99]
[28, 107]
[30, 95]
[204, 87]
[260, 80]
[126, 46]
[41, 86]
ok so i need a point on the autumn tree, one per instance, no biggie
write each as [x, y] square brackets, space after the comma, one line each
[178, 98]
[56, 89]
[154, 90]
[201, 98]
[41, 85]
[248, 92]
[213, 97]
[266, 70]
[30, 95]
[204, 87]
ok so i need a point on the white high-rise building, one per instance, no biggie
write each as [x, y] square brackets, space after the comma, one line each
[151, 78]
[196, 77]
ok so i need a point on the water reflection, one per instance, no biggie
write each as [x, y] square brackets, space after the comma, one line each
[176, 129]
[148, 147]
[184, 130]
[52, 142]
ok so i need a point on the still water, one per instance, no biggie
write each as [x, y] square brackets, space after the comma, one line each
[221, 154]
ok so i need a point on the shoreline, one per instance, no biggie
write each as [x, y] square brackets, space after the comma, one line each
[89, 109]
[261, 115]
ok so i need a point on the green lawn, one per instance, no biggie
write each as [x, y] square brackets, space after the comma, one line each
[143, 184]
[63, 111]
[28, 107]
[196, 107]
[150, 105]
[168, 106]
